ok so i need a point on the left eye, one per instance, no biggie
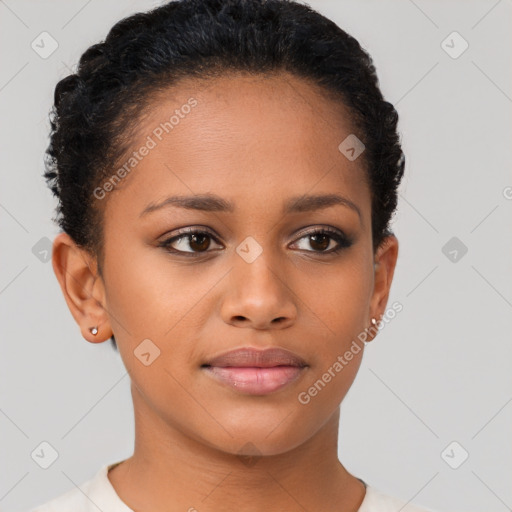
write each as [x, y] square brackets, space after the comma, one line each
[321, 239]
[199, 242]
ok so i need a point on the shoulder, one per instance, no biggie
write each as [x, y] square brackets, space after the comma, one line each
[74, 499]
[377, 501]
[96, 493]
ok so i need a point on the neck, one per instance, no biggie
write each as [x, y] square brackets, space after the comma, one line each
[172, 471]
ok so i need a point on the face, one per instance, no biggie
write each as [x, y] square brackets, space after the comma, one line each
[257, 264]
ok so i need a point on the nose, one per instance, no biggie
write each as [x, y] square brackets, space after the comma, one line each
[258, 296]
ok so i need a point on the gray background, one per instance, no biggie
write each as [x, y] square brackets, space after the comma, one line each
[440, 372]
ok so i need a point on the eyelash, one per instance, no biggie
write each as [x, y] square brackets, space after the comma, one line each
[343, 241]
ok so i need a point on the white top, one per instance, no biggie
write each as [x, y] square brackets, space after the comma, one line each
[99, 494]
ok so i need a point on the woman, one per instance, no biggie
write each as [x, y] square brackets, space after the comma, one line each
[226, 173]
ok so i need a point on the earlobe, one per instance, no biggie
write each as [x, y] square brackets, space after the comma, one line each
[82, 287]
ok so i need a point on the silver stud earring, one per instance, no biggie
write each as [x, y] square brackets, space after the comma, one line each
[93, 330]
[374, 323]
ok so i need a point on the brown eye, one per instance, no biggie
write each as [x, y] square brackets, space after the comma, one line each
[189, 243]
[199, 242]
[321, 240]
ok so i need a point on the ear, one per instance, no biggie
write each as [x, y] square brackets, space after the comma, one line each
[385, 263]
[82, 287]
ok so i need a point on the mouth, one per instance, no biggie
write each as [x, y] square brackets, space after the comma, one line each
[256, 372]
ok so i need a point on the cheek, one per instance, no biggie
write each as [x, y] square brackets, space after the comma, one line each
[151, 313]
[339, 304]
[148, 297]
[144, 295]
[336, 311]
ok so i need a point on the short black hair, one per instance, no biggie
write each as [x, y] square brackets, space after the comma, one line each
[150, 51]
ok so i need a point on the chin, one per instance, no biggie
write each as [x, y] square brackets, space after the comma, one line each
[254, 447]
[261, 434]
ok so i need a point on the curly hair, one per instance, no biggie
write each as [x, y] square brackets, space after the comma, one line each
[150, 51]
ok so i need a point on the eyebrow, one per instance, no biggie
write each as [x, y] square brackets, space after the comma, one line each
[214, 203]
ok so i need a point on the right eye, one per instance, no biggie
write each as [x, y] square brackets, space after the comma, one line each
[198, 241]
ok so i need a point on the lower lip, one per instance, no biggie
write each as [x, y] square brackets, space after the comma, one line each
[255, 381]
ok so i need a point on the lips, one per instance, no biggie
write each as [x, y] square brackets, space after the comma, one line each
[256, 372]
[267, 358]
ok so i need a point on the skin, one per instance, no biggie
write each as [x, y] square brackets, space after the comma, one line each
[256, 141]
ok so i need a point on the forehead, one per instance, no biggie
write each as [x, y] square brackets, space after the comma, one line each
[240, 136]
